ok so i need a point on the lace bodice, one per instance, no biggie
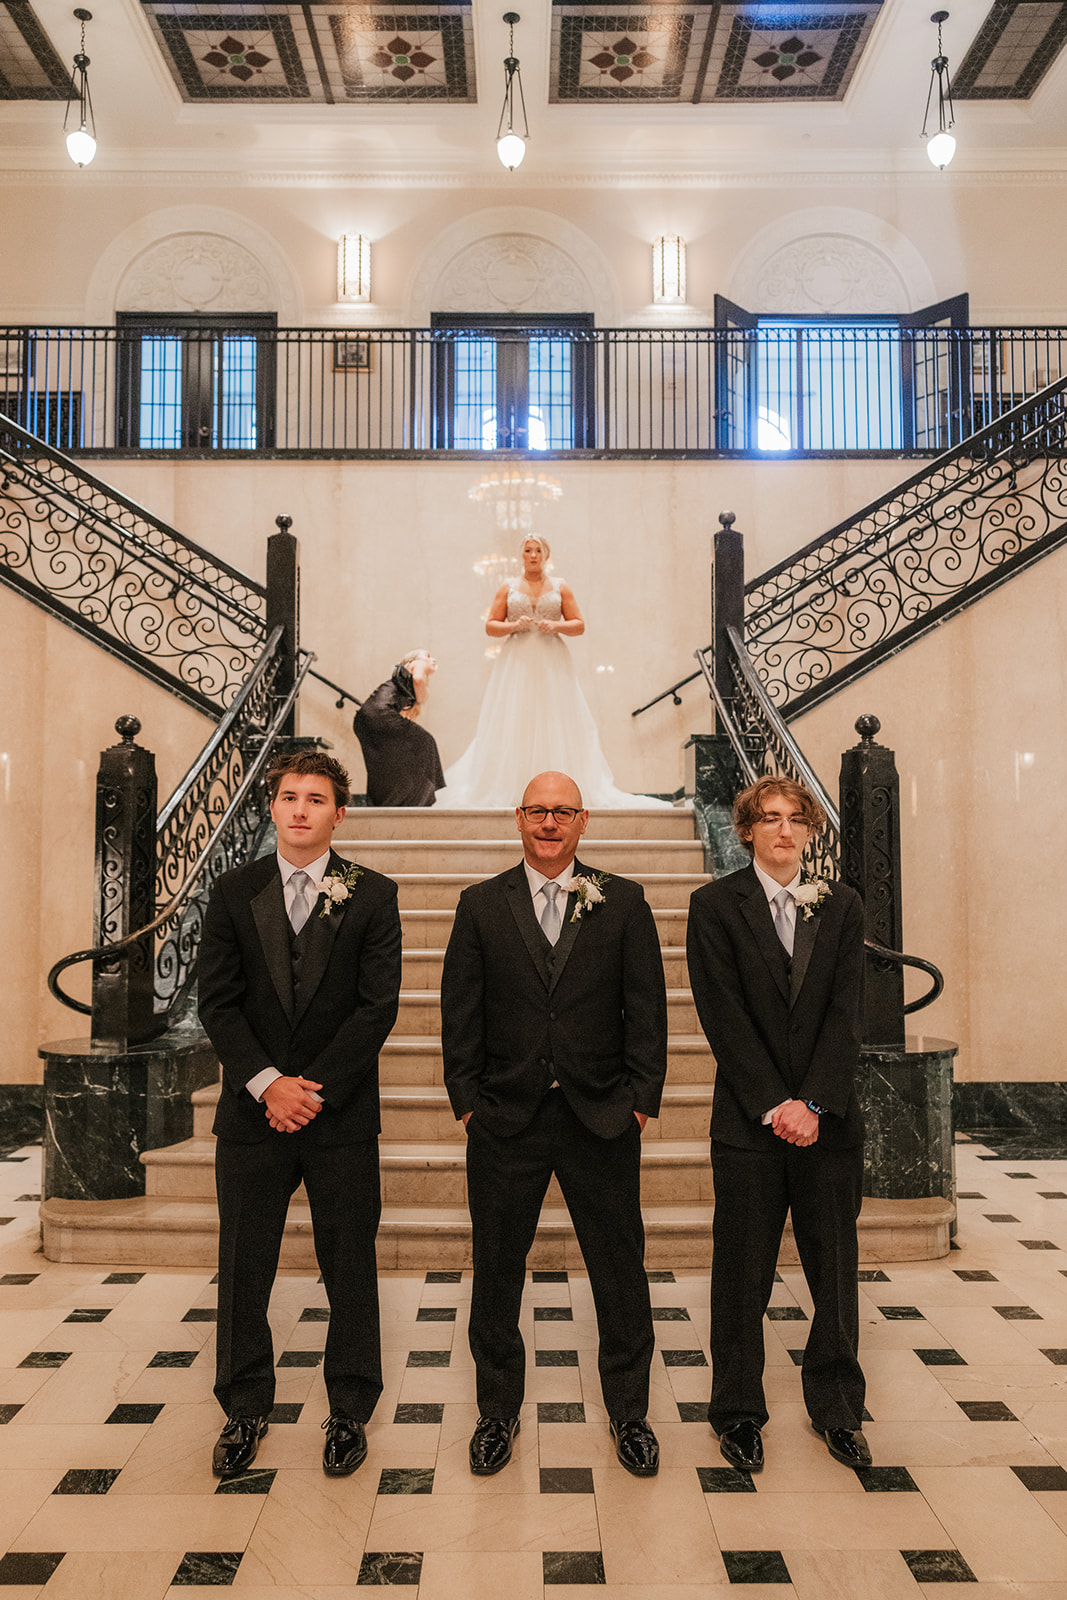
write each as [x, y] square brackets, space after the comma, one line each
[549, 604]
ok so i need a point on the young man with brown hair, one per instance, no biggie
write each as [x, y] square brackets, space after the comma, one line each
[776, 968]
[299, 982]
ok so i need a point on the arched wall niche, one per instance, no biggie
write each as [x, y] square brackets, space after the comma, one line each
[512, 259]
[831, 260]
[193, 258]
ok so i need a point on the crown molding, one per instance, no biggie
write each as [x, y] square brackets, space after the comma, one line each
[975, 174]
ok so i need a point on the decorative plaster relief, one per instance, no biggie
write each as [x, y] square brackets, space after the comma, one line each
[193, 258]
[195, 272]
[512, 272]
[828, 273]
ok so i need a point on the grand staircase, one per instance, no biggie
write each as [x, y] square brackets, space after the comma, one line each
[433, 855]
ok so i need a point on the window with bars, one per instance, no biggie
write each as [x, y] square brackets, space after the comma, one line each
[513, 383]
[189, 382]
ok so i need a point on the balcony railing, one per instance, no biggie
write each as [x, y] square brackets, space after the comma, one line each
[810, 390]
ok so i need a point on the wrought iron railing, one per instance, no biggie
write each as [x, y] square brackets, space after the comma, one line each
[932, 546]
[122, 577]
[764, 746]
[799, 389]
[215, 819]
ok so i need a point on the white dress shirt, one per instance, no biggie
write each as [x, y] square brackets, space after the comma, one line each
[771, 888]
[537, 881]
[316, 871]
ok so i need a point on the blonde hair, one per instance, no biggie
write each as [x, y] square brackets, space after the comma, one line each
[535, 538]
[412, 655]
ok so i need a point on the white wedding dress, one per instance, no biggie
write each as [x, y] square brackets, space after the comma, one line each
[534, 718]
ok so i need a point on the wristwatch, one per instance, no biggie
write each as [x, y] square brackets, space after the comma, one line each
[813, 1107]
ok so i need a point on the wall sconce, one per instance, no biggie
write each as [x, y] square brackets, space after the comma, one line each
[942, 146]
[511, 144]
[81, 140]
[353, 267]
[668, 270]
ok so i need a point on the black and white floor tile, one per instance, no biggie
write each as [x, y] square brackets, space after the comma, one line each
[107, 1421]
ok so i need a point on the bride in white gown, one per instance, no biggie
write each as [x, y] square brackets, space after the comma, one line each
[534, 716]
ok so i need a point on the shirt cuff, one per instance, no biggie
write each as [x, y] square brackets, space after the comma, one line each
[261, 1081]
[767, 1116]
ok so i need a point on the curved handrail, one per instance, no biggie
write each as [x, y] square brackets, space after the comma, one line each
[898, 956]
[122, 948]
[811, 782]
[336, 687]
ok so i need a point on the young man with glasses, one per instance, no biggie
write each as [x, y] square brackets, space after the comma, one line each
[776, 969]
[554, 1027]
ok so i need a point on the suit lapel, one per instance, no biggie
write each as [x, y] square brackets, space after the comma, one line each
[520, 903]
[757, 913]
[272, 925]
[570, 929]
[807, 930]
[322, 932]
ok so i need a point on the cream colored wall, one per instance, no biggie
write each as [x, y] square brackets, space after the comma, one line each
[61, 696]
[1012, 271]
[975, 712]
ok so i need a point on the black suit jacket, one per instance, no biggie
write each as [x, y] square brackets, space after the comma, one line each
[517, 1013]
[779, 1031]
[332, 1033]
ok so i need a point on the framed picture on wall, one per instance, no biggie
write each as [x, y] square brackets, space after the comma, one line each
[352, 355]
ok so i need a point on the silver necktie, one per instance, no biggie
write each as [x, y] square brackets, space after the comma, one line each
[301, 907]
[550, 916]
[783, 927]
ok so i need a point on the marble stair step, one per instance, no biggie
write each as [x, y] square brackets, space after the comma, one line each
[422, 967]
[430, 929]
[158, 1231]
[439, 891]
[402, 822]
[420, 1011]
[393, 856]
[433, 1173]
[421, 1112]
[415, 1061]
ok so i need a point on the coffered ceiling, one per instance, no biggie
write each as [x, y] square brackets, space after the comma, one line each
[670, 88]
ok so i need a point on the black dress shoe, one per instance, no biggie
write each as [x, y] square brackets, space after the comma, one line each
[491, 1444]
[346, 1445]
[237, 1444]
[742, 1446]
[847, 1445]
[636, 1447]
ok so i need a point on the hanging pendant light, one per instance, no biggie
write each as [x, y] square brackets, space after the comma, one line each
[941, 146]
[81, 139]
[511, 144]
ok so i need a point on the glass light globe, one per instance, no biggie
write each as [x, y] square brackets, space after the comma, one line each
[941, 148]
[81, 147]
[511, 150]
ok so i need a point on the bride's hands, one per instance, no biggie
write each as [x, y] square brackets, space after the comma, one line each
[523, 625]
[546, 625]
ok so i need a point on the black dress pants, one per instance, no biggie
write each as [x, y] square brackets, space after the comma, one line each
[754, 1190]
[254, 1183]
[601, 1183]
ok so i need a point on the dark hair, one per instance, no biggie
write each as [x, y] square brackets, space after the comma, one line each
[748, 807]
[312, 764]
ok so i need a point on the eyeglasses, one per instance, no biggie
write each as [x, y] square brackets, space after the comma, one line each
[561, 814]
[776, 822]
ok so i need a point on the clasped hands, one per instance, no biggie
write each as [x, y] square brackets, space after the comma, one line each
[795, 1122]
[542, 624]
[291, 1103]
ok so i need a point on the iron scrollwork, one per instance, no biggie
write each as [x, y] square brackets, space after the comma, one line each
[950, 533]
[215, 820]
[131, 583]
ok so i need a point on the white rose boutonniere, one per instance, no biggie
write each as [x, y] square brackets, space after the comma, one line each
[337, 886]
[809, 896]
[589, 892]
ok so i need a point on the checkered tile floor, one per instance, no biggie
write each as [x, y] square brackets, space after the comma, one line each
[108, 1420]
